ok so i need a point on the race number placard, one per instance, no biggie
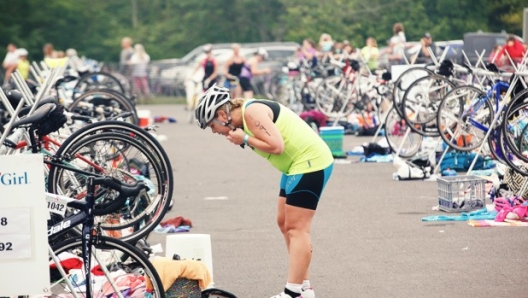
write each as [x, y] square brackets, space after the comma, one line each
[23, 226]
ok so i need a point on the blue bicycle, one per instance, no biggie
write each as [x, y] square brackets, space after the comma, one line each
[465, 115]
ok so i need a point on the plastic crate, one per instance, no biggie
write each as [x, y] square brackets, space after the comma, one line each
[461, 193]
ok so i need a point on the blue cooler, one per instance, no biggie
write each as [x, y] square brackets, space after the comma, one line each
[333, 137]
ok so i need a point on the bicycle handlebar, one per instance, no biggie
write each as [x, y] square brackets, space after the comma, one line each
[125, 191]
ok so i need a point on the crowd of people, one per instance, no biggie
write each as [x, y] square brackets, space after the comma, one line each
[17, 59]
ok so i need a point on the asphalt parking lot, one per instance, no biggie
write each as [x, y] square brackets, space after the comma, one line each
[368, 237]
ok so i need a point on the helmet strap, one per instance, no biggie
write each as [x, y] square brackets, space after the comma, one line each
[228, 123]
[229, 119]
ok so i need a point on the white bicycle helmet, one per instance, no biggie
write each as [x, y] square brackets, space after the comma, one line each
[262, 53]
[214, 98]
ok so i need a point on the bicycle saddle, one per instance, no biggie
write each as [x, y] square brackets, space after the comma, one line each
[42, 102]
[38, 116]
[14, 97]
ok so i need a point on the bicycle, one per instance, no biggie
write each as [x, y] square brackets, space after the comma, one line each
[110, 254]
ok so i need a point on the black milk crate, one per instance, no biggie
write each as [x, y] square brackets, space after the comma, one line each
[461, 193]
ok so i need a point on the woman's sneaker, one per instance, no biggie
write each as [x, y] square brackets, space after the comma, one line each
[308, 293]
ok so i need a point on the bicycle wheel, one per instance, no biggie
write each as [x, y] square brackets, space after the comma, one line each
[395, 131]
[464, 117]
[335, 97]
[404, 81]
[495, 149]
[513, 133]
[158, 164]
[112, 261]
[123, 158]
[102, 104]
[420, 103]
[97, 80]
[514, 121]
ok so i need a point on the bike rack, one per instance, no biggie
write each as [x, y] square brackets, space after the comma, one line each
[518, 73]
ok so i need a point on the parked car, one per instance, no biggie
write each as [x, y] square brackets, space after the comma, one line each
[172, 77]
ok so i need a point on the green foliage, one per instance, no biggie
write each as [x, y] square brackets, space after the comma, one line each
[170, 28]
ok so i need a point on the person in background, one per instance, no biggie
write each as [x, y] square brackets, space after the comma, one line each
[51, 57]
[23, 63]
[426, 42]
[350, 52]
[139, 62]
[251, 69]
[338, 48]
[307, 52]
[124, 58]
[49, 51]
[396, 50]
[493, 57]
[514, 48]
[232, 69]
[210, 67]
[75, 62]
[370, 53]
[10, 63]
[326, 44]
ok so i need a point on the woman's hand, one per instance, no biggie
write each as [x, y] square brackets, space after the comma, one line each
[236, 136]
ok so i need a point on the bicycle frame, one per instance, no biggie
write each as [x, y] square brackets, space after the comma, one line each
[88, 238]
[489, 95]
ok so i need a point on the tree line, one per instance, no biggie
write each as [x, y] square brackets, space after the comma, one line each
[170, 28]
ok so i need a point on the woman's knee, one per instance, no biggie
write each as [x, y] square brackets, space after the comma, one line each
[281, 222]
[294, 231]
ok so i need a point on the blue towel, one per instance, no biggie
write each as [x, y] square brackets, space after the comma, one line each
[377, 158]
[481, 214]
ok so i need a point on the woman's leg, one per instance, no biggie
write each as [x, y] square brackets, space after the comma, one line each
[298, 200]
[137, 86]
[298, 223]
[281, 221]
[146, 86]
[248, 94]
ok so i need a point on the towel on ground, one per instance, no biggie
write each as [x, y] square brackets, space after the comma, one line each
[481, 214]
[169, 270]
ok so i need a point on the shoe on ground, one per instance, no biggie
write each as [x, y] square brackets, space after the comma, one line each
[309, 293]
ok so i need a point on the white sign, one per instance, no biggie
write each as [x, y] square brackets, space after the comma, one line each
[23, 226]
[56, 205]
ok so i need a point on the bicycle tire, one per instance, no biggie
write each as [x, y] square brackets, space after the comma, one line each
[392, 130]
[102, 209]
[448, 131]
[422, 126]
[153, 145]
[84, 78]
[516, 105]
[404, 80]
[127, 253]
[335, 99]
[124, 103]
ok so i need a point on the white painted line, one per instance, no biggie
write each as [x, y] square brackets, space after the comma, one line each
[215, 198]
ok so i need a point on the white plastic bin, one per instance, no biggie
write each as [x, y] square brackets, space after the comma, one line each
[191, 247]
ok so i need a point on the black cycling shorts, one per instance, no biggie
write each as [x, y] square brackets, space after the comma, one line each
[304, 190]
[245, 84]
